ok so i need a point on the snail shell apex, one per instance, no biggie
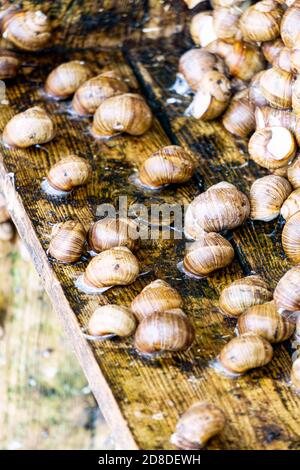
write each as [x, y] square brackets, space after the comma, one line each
[291, 205]
[67, 241]
[112, 319]
[69, 172]
[291, 238]
[110, 232]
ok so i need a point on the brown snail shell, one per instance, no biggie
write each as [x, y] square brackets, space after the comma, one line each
[243, 294]
[284, 60]
[69, 172]
[261, 21]
[291, 205]
[65, 79]
[272, 117]
[198, 425]
[265, 321]
[276, 86]
[110, 232]
[246, 352]
[239, 117]
[295, 373]
[295, 60]
[156, 297]
[170, 330]
[31, 127]
[293, 173]
[208, 254]
[202, 28]
[221, 207]
[290, 26]
[291, 238]
[272, 50]
[116, 266]
[94, 91]
[267, 195]
[9, 64]
[124, 113]
[296, 96]
[67, 241]
[255, 95]
[27, 30]
[168, 165]
[287, 291]
[109, 320]
[226, 21]
[195, 63]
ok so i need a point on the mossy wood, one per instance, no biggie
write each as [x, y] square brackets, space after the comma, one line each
[141, 398]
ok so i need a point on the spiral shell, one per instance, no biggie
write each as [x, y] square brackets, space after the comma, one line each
[287, 291]
[198, 425]
[261, 21]
[291, 238]
[116, 266]
[246, 352]
[293, 173]
[112, 320]
[170, 330]
[67, 241]
[9, 64]
[27, 30]
[255, 95]
[276, 86]
[33, 126]
[272, 50]
[125, 113]
[239, 117]
[295, 373]
[110, 232]
[243, 294]
[195, 63]
[156, 297]
[69, 172]
[272, 117]
[65, 79]
[290, 26]
[267, 195]
[291, 205]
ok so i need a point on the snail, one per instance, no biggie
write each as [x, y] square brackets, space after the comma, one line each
[111, 232]
[245, 352]
[221, 207]
[284, 60]
[195, 63]
[226, 21]
[198, 425]
[27, 30]
[209, 253]
[255, 95]
[265, 321]
[272, 147]
[114, 267]
[156, 297]
[239, 117]
[94, 91]
[9, 64]
[7, 231]
[276, 86]
[291, 205]
[267, 195]
[65, 79]
[168, 165]
[67, 241]
[242, 59]
[295, 60]
[272, 117]
[261, 21]
[111, 320]
[293, 173]
[202, 28]
[69, 172]
[296, 96]
[289, 28]
[272, 50]
[31, 127]
[295, 373]
[170, 330]
[243, 294]
[287, 292]
[124, 113]
[291, 238]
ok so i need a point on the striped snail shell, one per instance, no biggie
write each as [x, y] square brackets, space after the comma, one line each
[64, 80]
[67, 241]
[69, 172]
[9, 64]
[110, 232]
[112, 320]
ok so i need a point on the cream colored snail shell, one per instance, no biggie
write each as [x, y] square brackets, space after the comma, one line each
[239, 117]
[272, 147]
[296, 96]
[65, 79]
[246, 352]
[94, 91]
[27, 30]
[7, 231]
[265, 321]
[255, 95]
[284, 60]
[267, 194]
[261, 21]
[276, 86]
[208, 254]
[170, 330]
[226, 21]
[116, 266]
[290, 26]
[295, 60]
[67, 241]
[195, 63]
[243, 294]
[156, 297]
[287, 291]
[221, 207]
[295, 373]
[291, 205]
[272, 117]
[272, 50]
[110, 232]
[202, 28]
[9, 64]
[69, 172]
[168, 165]
[198, 425]
[291, 238]
[112, 320]
[124, 113]
[31, 127]
[293, 172]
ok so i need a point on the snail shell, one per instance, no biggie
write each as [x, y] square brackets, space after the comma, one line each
[290, 26]
[243, 294]
[265, 321]
[293, 173]
[219, 208]
[27, 30]
[209, 253]
[267, 194]
[65, 79]
[239, 117]
[195, 63]
[295, 373]
[287, 291]
[7, 231]
[94, 91]
[170, 330]
[296, 96]
[33, 126]
[276, 86]
[125, 113]
[202, 28]
[226, 21]
[112, 320]
[197, 425]
[156, 297]
[168, 165]
[291, 205]
[9, 64]
[272, 117]
[272, 147]
[255, 95]
[295, 60]
[272, 50]
[114, 267]
[246, 352]
[69, 172]
[67, 241]
[110, 232]
[261, 21]
[291, 238]
[284, 60]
